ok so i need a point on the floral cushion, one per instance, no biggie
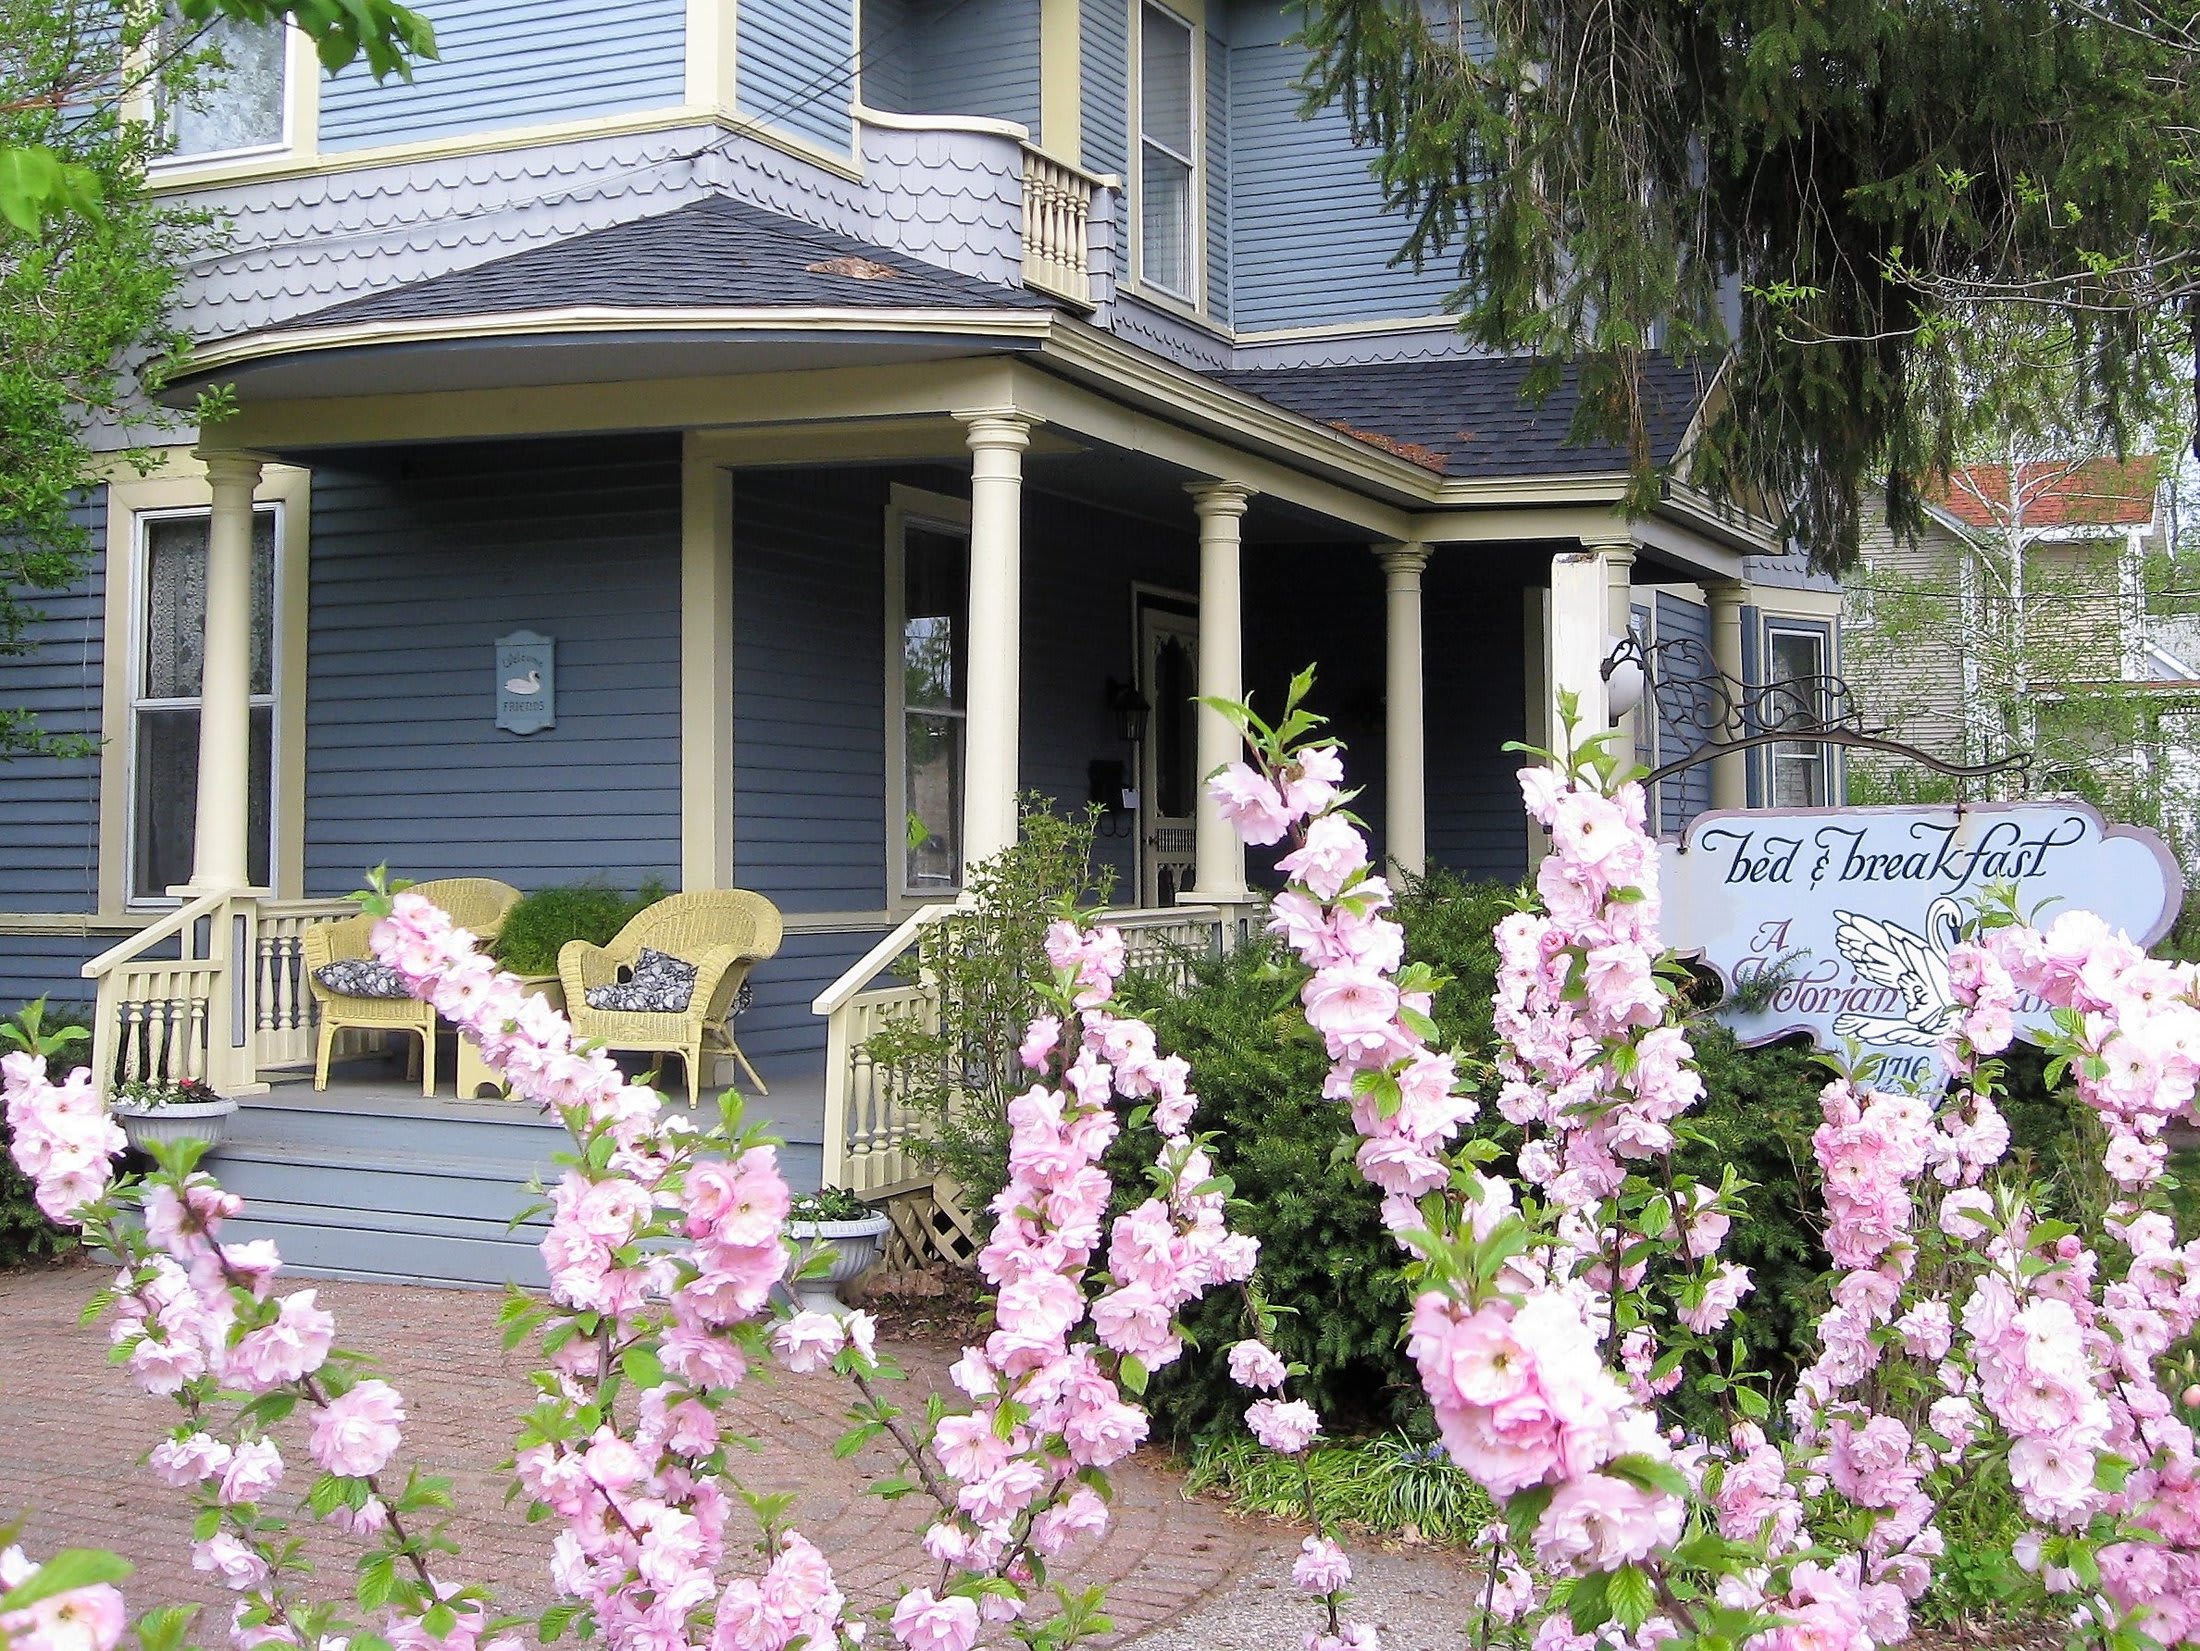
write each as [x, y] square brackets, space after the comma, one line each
[360, 977]
[660, 985]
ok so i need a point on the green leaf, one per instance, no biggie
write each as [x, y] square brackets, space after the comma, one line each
[643, 1368]
[1632, 1597]
[1133, 1371]
[1588, 1601]
[1650, 1474]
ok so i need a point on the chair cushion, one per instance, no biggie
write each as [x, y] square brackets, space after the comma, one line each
[360, 977]
[662, 985]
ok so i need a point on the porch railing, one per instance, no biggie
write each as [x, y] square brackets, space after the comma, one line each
[871, 1134]
[1058, 206]
[214, 991]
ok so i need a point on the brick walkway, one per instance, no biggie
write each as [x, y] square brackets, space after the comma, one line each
[72, 1431]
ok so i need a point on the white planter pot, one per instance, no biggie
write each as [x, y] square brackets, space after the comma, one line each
[206, 1121]
[854, 1246]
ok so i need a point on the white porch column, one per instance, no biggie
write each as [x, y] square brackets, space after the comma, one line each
[1218, 858]
[1730, 773]
[1405, 742]
[992, 723]
[219, 857]
[1590, 598]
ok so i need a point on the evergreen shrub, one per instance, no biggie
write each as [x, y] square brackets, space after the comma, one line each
[542, 922]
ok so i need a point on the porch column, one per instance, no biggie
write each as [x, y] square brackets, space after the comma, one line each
[1730, 773]
[991, 728]
[1405, 742]
[1590, 597]
[1218, 858]
[219, 855]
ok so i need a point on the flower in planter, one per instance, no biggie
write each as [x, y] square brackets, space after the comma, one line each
[143, 1095]
[830, 1204]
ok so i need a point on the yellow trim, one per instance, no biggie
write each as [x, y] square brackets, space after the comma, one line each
[260, 168]
[706, 672]
[1777, 602]
[581, 319]
[179, 483]
[302, 95]
[1346, 329]
[711, 57]
[73, 923]
[1062, 80]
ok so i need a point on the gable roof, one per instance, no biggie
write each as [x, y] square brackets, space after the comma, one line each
[709, 254]
[1464, 416]
[2102, 493]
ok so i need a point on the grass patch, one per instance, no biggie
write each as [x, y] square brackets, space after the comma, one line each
[1386, 1486]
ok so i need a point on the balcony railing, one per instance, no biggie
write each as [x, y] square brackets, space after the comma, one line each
[1059, 203]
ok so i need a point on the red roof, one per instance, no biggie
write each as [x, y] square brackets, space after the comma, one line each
[2055, 493]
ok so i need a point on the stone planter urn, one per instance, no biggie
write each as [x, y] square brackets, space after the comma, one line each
[854, 1246]
[206, 1121]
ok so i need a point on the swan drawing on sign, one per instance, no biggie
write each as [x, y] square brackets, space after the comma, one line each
[531, 683]
[1915, 965]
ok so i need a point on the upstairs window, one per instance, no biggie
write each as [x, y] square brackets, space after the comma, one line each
[164, 707]
[1167, 145]
[241, 102]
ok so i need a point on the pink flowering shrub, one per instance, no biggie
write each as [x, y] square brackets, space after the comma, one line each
[1968, 1338]
[665, 1253]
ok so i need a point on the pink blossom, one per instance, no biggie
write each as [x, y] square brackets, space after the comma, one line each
[189, 1460]
[1256, 1365]
[809, 1341]
[230, 1562]
[1321, 1567]
[357, 1432]
[293, 1346]
[1284, 1426]
[923, 1623]
[90, 1618]
[1251, 803]
[254, 1468]
[1331, 855]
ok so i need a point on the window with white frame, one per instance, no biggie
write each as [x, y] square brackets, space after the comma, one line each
[240, 103]
[164, 706]
[929, 665]
[1167, 151]
[1799, 773]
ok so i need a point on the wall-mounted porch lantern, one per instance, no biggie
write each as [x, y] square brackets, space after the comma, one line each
[1130, 710]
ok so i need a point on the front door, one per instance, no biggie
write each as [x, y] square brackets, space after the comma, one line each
[1168, 758]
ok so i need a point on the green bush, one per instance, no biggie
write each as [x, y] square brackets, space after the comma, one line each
[541, 923]
[962, 1071]
[1390, 1485]
[25, 1233]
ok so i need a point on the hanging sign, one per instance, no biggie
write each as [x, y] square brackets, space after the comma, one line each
[1838, 921]
[527, 682]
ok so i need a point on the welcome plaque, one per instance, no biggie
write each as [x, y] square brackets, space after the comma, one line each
[1851, 912]
[527, 682]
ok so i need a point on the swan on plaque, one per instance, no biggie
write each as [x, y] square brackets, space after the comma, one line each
[527, 682]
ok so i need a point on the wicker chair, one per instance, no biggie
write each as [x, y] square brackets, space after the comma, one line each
[478, 904]
[723, 932]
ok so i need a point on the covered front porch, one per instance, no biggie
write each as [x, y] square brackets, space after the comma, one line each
[815, 630]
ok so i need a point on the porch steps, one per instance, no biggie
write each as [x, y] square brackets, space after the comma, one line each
[364, 1180]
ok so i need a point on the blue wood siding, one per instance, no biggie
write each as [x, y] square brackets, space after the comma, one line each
[953, 57]
[47, 966]
[1473, 629]
[888, 34]
[49, 810]
[1218, 177]
[794, 66]
[1688, 794]
[419, 563]
[1311, 243]
[1103, 66]
[809, 696]
[516, 63]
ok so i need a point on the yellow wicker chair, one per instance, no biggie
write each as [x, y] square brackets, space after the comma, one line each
[724, 932]
[478, 904]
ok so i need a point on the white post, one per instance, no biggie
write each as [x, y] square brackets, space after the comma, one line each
[1730, 773]
[1405, 739]
[220, 849]
[1218, 858]
[1619, 618]
[991, 728]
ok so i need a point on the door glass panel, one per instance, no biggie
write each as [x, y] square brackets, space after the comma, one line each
[1176, 753]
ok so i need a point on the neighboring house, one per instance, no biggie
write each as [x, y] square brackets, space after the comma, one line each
[875, 407]
[2021, 619]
